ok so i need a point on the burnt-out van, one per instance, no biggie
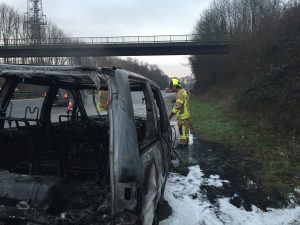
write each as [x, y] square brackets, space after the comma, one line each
[76, 164]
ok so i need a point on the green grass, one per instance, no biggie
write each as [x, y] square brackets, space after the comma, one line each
[215, 124]
[279, 168]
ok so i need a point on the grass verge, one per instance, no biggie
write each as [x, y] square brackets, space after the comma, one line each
[280, 170]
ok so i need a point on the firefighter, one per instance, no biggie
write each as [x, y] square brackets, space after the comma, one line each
[181, 110]
[102, 101]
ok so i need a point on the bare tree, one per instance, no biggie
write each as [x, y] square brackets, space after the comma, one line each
[8, 24]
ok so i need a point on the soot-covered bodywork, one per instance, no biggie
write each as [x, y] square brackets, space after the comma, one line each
[76, 165]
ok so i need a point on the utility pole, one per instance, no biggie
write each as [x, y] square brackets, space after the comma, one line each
[36, 22]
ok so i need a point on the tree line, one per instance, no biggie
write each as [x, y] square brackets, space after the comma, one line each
[13, 27]
[260, 75]
[152, 72]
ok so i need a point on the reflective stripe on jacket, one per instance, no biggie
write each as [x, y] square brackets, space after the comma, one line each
[181, 106]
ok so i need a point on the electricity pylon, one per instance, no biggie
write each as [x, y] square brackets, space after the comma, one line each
[36, 21]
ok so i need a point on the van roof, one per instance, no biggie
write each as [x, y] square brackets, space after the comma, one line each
[88, 75]
[43, 74]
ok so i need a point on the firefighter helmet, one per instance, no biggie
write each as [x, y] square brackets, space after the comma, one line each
[174, 82]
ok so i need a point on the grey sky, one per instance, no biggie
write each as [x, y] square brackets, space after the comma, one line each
[125, 18]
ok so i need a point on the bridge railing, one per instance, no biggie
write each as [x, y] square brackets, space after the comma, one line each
[114, 40]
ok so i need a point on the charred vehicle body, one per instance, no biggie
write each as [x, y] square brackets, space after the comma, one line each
[80, 166]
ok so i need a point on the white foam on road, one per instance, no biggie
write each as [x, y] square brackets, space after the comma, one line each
[191, 207]
[191, 139]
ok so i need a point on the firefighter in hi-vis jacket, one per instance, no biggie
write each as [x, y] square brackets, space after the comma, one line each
[102, 104]
[181, 110]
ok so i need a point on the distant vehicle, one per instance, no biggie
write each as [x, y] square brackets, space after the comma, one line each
[168, 90]
[84, 167]
[62, 98]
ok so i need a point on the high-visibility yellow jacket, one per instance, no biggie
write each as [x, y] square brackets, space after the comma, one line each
[102, 99]
[181, 106]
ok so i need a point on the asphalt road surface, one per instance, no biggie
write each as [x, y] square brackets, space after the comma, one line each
[17, 108]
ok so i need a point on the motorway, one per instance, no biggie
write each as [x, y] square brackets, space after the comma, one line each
[17, 108]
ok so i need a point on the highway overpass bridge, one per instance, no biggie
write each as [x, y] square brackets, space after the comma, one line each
[114, 46]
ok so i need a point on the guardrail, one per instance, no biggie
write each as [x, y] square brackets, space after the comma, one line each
[115, 40]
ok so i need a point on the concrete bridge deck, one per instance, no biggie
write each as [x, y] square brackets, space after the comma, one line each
[114, 46]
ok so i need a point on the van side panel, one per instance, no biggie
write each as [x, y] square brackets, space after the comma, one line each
[128, 167]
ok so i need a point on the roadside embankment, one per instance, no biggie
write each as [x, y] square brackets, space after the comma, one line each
[272, 165]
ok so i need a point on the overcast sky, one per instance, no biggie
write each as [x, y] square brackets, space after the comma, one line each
[92, 18]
